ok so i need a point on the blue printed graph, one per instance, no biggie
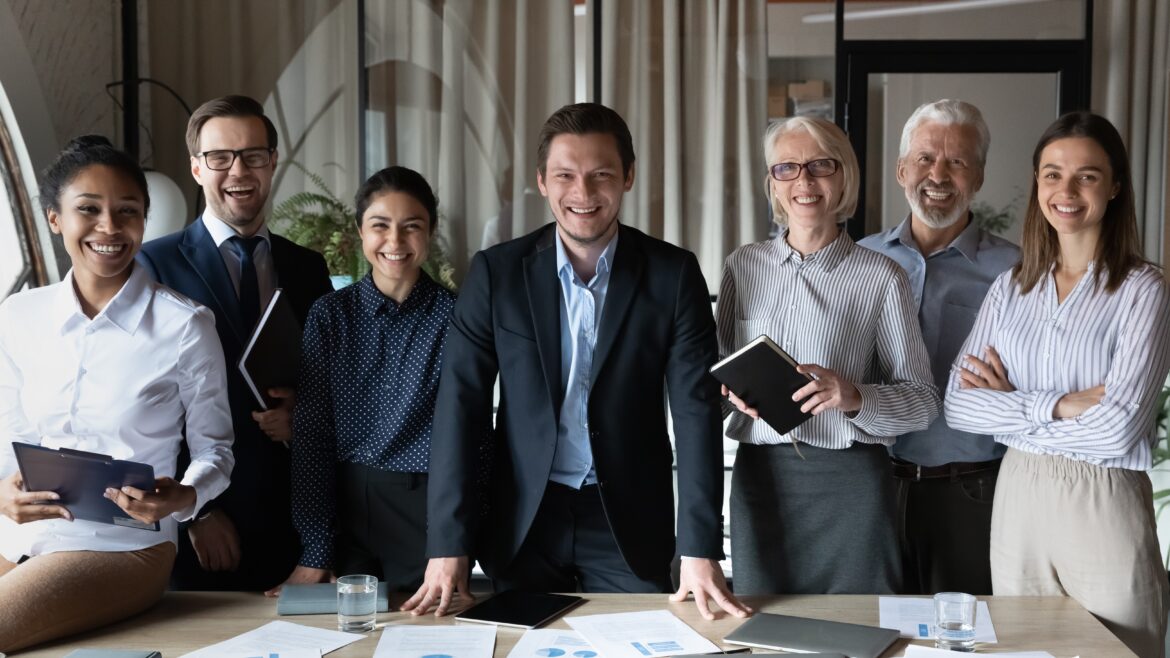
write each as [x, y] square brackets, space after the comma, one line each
[551, 652]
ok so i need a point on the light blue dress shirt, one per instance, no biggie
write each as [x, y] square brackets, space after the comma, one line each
[581, 305]
[948, 288]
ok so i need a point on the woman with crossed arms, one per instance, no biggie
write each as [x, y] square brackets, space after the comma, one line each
[1064, 365]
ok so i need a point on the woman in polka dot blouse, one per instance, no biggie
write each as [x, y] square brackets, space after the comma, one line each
[370, 371]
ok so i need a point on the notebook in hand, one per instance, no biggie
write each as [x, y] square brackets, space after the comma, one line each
[81, 478]
[785, 633]
[272, 357]
[765, 377]
[519, 609]
[318, 599]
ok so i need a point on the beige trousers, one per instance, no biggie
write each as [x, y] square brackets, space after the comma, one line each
[59, 594]
[1063, 527]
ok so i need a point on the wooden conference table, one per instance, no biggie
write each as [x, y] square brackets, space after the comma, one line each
[185, 621]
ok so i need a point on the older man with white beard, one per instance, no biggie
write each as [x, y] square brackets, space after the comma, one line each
[946, 478]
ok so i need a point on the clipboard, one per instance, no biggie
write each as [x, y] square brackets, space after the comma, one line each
[81, 479]
[272, 357]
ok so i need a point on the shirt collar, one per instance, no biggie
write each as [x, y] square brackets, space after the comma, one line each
[966, 243]
[372, 301]
[221, 232]
[124, 311]
[604, 261]
[829, 257]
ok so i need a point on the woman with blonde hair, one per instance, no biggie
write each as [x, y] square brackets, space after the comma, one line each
[821, 519]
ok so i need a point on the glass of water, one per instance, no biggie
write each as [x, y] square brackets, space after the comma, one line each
[357, 603]
[954, 621]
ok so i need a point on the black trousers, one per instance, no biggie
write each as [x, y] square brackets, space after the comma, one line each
[382, 525]
[944, 532]
[570, 548]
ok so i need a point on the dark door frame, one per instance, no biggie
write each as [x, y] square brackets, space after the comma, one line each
[1069, 59]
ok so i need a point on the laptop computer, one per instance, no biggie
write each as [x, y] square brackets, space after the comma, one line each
[785, 633]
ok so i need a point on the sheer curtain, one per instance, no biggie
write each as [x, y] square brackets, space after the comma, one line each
[690, 78]
[458, 90]
[1131, 83]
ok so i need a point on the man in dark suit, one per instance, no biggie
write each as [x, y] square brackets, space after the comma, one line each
[588, 324]
[228, 261]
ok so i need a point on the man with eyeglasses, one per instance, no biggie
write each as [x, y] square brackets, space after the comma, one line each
[230, 262]
[945, 478]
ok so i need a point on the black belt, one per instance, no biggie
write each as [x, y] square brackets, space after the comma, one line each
[954, 470]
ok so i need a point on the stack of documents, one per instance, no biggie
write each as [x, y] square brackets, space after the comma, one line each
[447, 641]
[281, 638]
[640, 634]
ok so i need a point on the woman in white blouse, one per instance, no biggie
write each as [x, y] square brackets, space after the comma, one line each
[106, 361]
[1064, 365]
[821, 520]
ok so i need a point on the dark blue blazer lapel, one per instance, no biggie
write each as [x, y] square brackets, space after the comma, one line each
[628, 262]
[200, 251]
[544, 299]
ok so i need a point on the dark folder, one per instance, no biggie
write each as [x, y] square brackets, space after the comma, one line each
[272, 357]
[765, 377]
[81, 479]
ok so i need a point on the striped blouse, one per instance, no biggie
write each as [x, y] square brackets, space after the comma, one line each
[845, 308]
[1121, 340]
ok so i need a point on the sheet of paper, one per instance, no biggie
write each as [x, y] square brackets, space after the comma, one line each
[640, 634]
[307, 653]
[914, 618]
[930, 652]
[437, 642]
[277, 637]
[552, 643]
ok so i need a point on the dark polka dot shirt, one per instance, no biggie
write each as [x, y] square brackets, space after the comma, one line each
[369, 377]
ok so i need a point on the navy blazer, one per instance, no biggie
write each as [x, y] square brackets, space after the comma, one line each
[258, 500]
[657, 334]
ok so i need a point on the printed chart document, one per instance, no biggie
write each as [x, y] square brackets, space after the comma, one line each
[640, 634]
[433, 641]
[313, 653]
[914, 618]
[930, 652]
[277, 637]
[551, 643]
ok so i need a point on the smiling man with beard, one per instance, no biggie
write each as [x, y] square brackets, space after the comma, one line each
[228, 261]
[946, 478]
[588, 324]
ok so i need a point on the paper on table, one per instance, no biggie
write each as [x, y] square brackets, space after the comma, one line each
[276, 637]
[640, 634]
[550, 642]
[930, 652]
[307, 653]
[447, 641]
[914, 618]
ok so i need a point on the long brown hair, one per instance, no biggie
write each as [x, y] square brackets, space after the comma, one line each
[1119, 248]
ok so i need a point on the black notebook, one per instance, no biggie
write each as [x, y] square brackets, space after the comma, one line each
[519, 609]
[799, 634]
[81, 478]
[272, 357]
[765, 377]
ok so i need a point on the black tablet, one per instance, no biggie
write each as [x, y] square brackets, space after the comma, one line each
[519, 609]
[81, 479]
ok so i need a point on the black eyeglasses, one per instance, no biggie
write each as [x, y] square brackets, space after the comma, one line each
[223, 159]
[815, 168]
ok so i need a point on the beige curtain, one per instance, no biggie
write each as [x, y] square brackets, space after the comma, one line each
[690, 78]
[458, 91]
[1131, 78]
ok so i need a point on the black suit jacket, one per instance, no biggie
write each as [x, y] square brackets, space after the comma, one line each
[258, 500]
[656, 335]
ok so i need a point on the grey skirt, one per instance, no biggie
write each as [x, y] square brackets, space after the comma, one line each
[823, 524]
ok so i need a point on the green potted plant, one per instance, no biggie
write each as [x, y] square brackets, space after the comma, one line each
[324, 223]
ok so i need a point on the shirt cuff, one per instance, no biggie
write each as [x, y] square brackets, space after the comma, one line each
[870, 406]
[1043, 409]
[205, 479]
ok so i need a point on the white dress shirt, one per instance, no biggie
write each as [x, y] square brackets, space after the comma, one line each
[261, 256]
[844, 308]
[128, 383]
[1120, 340]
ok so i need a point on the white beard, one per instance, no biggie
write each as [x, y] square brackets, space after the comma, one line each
[936, 218]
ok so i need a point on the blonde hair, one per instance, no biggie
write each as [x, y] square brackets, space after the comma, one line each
[835, 144]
